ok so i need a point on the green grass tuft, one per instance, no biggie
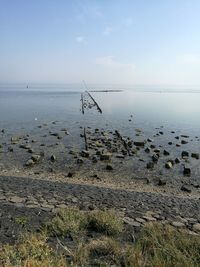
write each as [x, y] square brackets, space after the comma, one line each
[68, 222]
[105, 222]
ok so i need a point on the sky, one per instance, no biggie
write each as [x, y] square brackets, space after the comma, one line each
[143, 42]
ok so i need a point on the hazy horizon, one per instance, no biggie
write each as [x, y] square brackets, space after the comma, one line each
[133, 43]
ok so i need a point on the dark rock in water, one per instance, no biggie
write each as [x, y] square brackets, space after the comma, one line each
[173, 132]
[124, 152]
[177, 160]
[168, 165]
[53, 158]
[42, 153]
[162, 181]
[14, 140]
[120, 156]
[166, 153]
[152, 146]
[3, 130]
[178, 145]
[105, 156]
[195, 155]
[64, 130]
[161, 133]
[185, 136]
[79, 161]
[157, 150]
[25, 146]
[54, 134]
[30, 150]
[130, 143]
[10, 149]
[149, 140]
[98, 152]
[109, 167]
[94, 159]
[147, 150]
[29, 163]
[150, 165]
[183, 142]
[72, 152]
[185, 154]
[177, 137]
[187, 170]
[70, 174]
[85, 153]
[196, 185]
[140, 143]
[134, 151]
[35, 158]
[170, 143]
[155, 157]
[186, 188]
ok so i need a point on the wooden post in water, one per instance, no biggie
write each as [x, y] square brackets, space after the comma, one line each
[123, 141]
[85, 137]
[82, 103]
[98, 107]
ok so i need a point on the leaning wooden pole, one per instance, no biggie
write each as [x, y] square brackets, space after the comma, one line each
[98, 107]
[82, 101]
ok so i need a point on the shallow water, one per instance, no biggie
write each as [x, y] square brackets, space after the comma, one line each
[23, 110]
[180, 111]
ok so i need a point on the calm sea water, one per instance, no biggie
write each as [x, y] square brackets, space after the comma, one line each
[175, 110]
[175, 113]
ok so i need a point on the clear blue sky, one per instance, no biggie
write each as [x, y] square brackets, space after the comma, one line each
[115, 41]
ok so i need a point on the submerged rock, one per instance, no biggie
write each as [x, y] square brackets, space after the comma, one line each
[186, 188]
[140, 143]
[177, 160]
[166, 153]
[162, 181]
[185, 154]
[85, 153]
[109, 167]
[195, 155]
[150, 165]
[53, 158]
[105, 156]
[187, 170]
[29, 163]
[147, 150]
[155, 157]
[183, 142]
[35, 158]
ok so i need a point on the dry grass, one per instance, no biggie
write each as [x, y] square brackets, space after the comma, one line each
[68, 222]
[105, 222]
[164, 246]
[75, 223]
[156, 246]
[31, 251]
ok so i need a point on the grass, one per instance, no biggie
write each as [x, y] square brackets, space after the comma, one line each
[97, 242]
[31, 251]
[75, 223]
[105, 222]
[68, 222]
[23, 220]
